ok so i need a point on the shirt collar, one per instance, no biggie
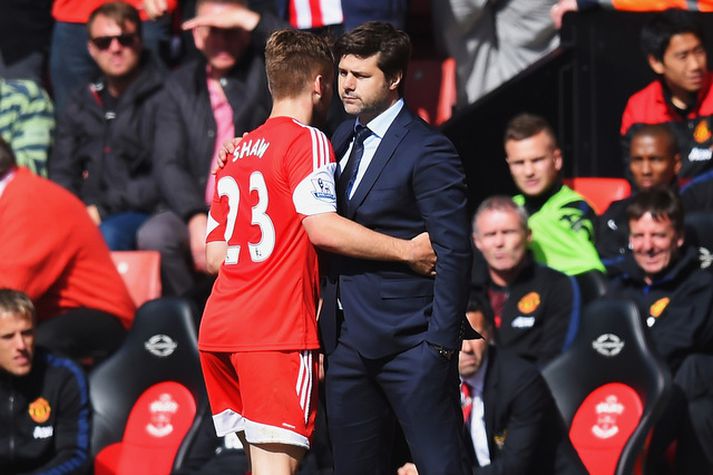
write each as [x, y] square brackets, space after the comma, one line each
[477, 380]
[381, 123]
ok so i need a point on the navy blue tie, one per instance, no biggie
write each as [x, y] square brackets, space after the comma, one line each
[349, 174]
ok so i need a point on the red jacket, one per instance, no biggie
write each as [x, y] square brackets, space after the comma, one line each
[694, 132]
[51, 250]
[77, 11]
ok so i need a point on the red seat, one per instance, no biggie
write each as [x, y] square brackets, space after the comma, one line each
[157, 424]
[431, 89]
[141, 272]
[600, 192]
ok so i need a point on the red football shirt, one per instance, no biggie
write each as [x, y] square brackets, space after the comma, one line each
[266, 293]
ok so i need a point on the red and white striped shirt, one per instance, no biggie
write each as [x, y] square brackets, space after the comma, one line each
[307, 14]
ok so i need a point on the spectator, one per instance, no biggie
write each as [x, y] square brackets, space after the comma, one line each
[338, 14]
[26, 122]
[654, 162]
[674, 299]
[206, 102]
[532, 305]
[493, 41]
[562, 222]
[104, 138]
[52, 251]
[681, 95]
[70, 65]
[511, 420]
[46, 426]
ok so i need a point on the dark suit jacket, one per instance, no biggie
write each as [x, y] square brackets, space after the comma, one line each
[526, 434]
[414, 183]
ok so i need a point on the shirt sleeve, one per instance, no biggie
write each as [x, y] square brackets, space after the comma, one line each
[226, 189]
[309, 168]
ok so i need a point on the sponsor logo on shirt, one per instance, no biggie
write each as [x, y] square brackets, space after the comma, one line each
[523, 322]
[39, 410]
[161, 411]
[529, 303]
[607, 413]
[608, 344]
[700, 154]
[43, 432]
[161, 345]
[705, 257]
[658, 307]
[702, 133]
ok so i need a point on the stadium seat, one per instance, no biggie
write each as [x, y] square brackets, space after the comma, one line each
[609, 388]
[600, 192]
[141, 271]
[161, 347]
[592, 285]
[431, 89]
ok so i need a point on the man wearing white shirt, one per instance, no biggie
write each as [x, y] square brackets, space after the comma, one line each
[510, 416]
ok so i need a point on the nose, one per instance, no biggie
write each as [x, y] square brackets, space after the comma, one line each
[528, 168]
[646, 167]
[20, 342]
[348, 82]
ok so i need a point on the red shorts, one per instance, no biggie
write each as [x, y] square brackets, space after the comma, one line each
[269, 395]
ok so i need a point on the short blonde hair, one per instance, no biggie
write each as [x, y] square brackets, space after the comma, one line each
[14, 302]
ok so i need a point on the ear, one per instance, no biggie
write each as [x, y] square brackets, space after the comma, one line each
[529, 235]
[655, 64]
[557, 157]
[680, 239]
[395, 81]
[93, 50]
[476, 241]
[677, 163]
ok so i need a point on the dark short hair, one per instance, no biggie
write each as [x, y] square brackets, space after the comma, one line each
[292, 58]
[375, 37]
[14, 302]
[656, 34]
[661, 203]
[658, 130]
[120, 12]
[7, 157]
[525, 125]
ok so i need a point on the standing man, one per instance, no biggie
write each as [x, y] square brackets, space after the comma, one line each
[273, 202]
[391, 336]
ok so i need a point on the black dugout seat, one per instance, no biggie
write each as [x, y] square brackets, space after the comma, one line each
[609, 388]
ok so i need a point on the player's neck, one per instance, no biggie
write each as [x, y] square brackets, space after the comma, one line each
[299, 108]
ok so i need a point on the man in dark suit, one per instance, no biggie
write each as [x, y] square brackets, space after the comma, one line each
[391, 335]
[510, 416]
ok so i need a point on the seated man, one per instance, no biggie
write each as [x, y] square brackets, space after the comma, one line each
[206, 102]
[662, 276]
[654, 162]
[46, 423]
[532, 304]
[681, 94]
[562, 222]
[511, 419]
[52, 251]
[104, 137]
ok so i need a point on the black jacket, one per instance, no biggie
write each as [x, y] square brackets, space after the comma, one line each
[106, 159]
[526, 434]
[677, 306]
[185, 136]
[539, 308]
[45, 419]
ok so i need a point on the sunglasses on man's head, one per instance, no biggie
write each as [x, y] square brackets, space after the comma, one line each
[103, 42]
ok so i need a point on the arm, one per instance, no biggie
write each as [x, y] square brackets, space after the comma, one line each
[71, 433]
[215, 252]
[336, 234]
[32, 127]
[441, 195]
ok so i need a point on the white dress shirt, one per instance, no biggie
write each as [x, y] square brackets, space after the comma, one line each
[477, 414]
[379, 125]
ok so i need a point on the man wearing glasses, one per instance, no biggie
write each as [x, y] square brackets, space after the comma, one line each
[104, 137]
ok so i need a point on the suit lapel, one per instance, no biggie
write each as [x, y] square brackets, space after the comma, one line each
[393, 137]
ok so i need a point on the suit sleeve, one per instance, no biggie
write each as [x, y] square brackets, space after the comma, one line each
[525, 424]
[71, 455]
[441, 194]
